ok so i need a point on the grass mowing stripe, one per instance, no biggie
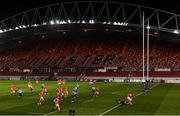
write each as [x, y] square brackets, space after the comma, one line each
[84, 101]
[171, 99]
[116, 92]
[120, 104]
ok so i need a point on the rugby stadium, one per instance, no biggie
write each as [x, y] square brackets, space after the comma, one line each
[90, 58]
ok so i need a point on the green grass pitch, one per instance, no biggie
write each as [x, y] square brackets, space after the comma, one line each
[162, 99]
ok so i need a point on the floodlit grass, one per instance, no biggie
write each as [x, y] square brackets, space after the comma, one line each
[162, 99]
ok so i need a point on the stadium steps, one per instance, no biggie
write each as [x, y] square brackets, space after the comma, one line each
[49, 59]
[36, 60]
[40, 62]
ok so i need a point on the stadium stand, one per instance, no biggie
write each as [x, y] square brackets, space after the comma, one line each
[103, 52]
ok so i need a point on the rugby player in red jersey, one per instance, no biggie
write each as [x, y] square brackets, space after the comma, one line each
[13, 88]
[56, 102]
[129, 98]
[41, 97]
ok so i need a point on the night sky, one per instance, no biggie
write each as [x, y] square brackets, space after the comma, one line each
[10, 7]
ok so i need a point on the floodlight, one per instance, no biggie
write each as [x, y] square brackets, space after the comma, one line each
[83, 22]
[69, 21]
[52, 22]
[176, 32]
[1, 31]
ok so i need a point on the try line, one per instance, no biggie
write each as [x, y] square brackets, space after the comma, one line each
[120, 104]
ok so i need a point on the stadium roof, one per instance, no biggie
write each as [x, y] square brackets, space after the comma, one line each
[105, 12]
[10, 7]
[85, 13]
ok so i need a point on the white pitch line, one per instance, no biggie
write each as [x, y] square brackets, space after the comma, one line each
[120, 104]
[35, 113]
[50, 113]
[90, 100]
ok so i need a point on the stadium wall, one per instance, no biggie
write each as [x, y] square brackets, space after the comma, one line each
[95, 74]
[136, 76]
